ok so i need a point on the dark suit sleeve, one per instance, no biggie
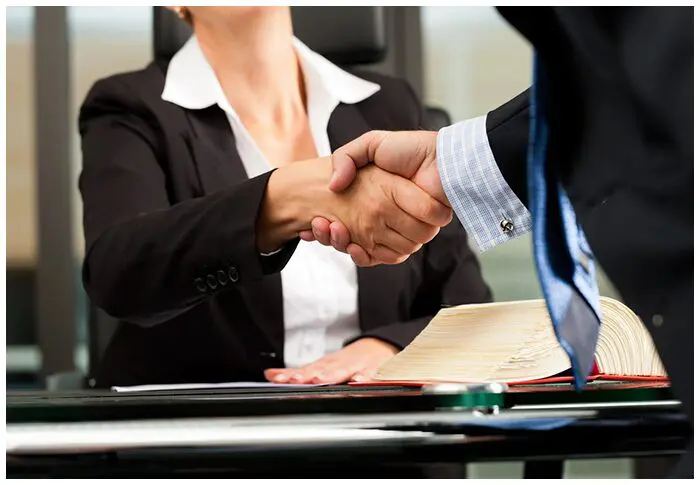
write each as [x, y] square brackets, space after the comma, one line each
[145, 256]
[451, 276]
[508, 130]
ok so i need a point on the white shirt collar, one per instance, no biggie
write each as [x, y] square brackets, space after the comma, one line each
[191, 82]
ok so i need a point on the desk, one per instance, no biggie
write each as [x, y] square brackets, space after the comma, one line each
[420, 429]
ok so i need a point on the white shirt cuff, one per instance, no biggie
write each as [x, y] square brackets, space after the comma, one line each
[486, 206]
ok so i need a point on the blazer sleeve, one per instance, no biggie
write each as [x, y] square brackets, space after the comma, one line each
[508, 131]
[147, 260]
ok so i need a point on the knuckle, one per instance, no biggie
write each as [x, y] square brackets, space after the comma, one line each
[423, 211]
[431, 233]
[448, 218]
[427, 234]
[396, 259]
[359, 259]
[369, 239]
[368, 245]
[375, 137]
[376, 210]
[432, 211]
[408, 247]
[444, 216]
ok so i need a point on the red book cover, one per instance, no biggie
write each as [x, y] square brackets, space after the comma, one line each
[561, 378]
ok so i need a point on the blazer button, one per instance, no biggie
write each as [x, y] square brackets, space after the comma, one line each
[233, 274]
[201, 285]
[221, 276]
[211, 281]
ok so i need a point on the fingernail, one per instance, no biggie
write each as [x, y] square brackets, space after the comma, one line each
[280, 378]
[359, 378]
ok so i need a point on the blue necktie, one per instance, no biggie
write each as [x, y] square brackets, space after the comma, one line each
[562, 256]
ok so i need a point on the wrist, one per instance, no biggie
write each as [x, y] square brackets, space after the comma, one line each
[430, 165]
[378, 345]
[291, 200]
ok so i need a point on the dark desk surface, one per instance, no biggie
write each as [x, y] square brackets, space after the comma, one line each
[27, 406]
[105, 405]
[618, 421]
[621, 432]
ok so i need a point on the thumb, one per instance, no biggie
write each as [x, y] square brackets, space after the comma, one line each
[353, 155]
[344, 172]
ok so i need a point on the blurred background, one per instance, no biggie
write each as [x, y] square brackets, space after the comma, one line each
[465, 60]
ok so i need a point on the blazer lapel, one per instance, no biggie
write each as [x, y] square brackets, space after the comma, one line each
[214, 150]
[219, 167]
[346, 124]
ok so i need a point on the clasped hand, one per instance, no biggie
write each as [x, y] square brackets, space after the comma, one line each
[386, 237]
[379, 213]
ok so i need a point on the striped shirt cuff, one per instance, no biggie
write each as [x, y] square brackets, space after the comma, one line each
[484, 203]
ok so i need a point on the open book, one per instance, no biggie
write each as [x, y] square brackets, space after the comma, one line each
[514, 342]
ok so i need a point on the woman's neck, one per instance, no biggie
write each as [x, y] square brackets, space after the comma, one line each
[256, 65]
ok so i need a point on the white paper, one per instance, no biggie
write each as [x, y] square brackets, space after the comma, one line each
[217, 385]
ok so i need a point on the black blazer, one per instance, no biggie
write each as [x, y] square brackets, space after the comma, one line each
[168, 205]
[620, 110]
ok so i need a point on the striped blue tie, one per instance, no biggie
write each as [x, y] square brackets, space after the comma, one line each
[563, 258]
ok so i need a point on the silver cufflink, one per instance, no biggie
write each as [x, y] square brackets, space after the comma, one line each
[507, 226]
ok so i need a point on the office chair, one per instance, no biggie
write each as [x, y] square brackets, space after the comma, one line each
[347, 36]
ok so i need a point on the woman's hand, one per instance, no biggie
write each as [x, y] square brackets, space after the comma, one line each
[356, 362]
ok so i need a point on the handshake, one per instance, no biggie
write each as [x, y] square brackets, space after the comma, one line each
[379, 198]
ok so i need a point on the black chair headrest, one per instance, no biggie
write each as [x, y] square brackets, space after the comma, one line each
[344, 35]
[435, 119]
[169, 33]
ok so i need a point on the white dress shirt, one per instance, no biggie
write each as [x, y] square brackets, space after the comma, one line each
[319, 284]
[486, 206]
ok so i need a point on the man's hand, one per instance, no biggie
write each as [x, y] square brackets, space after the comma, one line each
[356, 362]
[410, 154]
[389, 216]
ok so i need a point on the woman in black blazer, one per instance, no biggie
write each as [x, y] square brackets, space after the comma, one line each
[193, 197]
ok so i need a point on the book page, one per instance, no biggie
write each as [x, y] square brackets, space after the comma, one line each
[510, 342]
[479, 343]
